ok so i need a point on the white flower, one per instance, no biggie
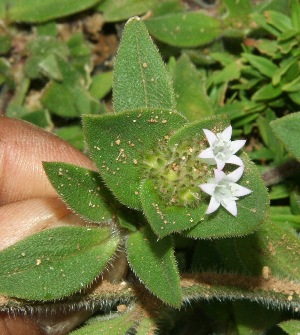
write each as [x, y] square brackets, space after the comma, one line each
[224, 190]
[222, 150]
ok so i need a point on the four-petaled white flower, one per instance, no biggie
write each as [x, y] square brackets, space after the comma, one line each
[221, 149]
[224, 191]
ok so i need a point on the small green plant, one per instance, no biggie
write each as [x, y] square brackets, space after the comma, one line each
[161, 178]
[175, 203]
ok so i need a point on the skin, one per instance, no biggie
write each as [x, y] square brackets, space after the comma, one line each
[29, 204]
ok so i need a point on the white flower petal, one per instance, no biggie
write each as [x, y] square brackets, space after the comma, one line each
[220, 163]
[230, 206]
[211, 137]
[208, 188]
[240, 191]
[237, 145]
[214, 204]
[219, 175]
[235, 160]
[226, 134]
[236, 174]
[207, 153]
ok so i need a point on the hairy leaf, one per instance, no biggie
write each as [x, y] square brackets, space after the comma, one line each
[83, 190]
[154, 263]
[56, 262]
[291, 327]
[233, 286]
[118, 143]
[141, 79]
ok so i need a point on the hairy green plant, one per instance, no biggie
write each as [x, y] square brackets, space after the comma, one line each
[174, 195]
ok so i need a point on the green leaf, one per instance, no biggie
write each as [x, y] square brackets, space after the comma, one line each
[230, 72]
[114, 325]
[295, 14]
[47, 50]
[5, 43]
[278, 20]
[267, 92]
[41, 11]
[68, 100]
[101, 84]
[291, 327]
[40, 118]
[262, 64]
[83, 191]
[252, 210]
[56, 262]
[275, 246]
[50, 68]
[166, 219]
[72, 134]
[253, 318]
[191, 98]
[268, 136]
[238, 10]
[141, 79]
[154, 263]
[188, 29]
[118, 143]
[120, 10]
[293, 86]
[287, 130]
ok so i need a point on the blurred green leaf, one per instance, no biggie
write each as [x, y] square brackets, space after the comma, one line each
[40, 118]
[5, 44]
[56, 262]
[293, 86]
[230, 72]
[191, 98]
[188, 29]
[101, 84]
[287, 130]
[268, 136]
[267, 92]
[119, 10]
[238, 10]
[40, 11]
[72, 134]
[154, 263]
[295, 14]
[262, 64]
[279, 20]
